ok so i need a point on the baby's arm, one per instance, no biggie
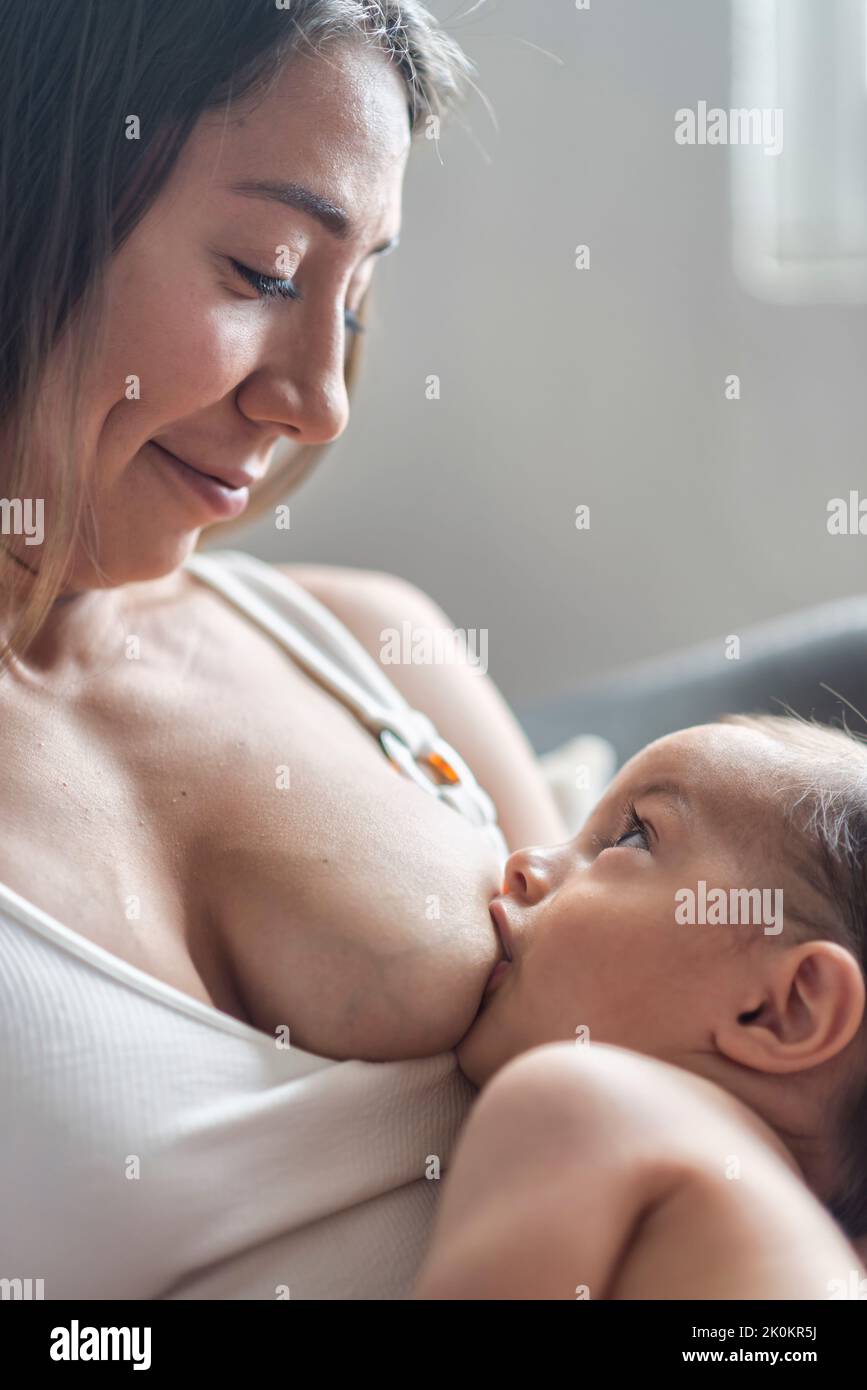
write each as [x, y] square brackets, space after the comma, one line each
[596, 1172]
[546, 1187]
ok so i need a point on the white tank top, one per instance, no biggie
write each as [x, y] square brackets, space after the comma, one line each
[155, 1147]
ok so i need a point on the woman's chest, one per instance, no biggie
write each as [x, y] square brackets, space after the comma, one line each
[224, 823]
[351, 904]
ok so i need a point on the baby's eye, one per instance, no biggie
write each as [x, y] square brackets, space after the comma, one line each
[634, 828]
[639, 832]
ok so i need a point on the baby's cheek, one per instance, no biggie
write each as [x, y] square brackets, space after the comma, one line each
[559, 971]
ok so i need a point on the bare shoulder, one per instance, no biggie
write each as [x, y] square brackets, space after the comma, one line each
[369, 601]
[671, 1114]
[558, 1161]
[572, 1151]
[569, 1084]
[558, 1106]
[459, 697]
[363, 598]
[640, 1126]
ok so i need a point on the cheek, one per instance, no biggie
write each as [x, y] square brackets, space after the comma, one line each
[556, 977]
[186, 345]
[594, 959]
[559, 953]
[178, 329]
[195, 354]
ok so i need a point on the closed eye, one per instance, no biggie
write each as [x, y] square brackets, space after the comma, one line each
[268, 286]
[272, 287]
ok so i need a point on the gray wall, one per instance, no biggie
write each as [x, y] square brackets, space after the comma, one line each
[602, 387]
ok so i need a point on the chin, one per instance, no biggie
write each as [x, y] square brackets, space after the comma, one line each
[135, 559]
[473, 1054]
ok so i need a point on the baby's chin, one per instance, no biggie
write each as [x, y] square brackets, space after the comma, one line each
[478, 1052]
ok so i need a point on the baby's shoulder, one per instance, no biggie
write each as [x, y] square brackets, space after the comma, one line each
[621, 1101]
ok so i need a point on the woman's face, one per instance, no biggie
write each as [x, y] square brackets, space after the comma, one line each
[600, 949]
[197, 358]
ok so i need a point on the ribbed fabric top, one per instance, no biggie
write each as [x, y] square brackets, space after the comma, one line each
[155, 1147]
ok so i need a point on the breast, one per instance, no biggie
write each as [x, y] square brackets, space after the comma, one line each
[351, 905]
[354, 906]
[285, 871]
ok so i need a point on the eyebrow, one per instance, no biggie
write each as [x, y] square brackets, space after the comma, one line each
[669, 793]
[669, 790]
[334, 219]
[666, 791]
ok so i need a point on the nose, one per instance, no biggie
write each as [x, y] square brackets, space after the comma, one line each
[529, 874]
[301, 389]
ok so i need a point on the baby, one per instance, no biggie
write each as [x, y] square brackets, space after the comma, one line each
[687, 977]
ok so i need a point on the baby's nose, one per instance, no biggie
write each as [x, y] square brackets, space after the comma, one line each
[528, 874]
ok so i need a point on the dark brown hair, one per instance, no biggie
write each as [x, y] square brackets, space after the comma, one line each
[73, 188]
[824, 801]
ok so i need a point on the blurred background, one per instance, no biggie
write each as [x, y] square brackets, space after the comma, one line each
[606, 386]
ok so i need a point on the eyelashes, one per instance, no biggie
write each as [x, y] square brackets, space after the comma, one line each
[271, 287]
[268, 286]
[352, 321]
[630, 824]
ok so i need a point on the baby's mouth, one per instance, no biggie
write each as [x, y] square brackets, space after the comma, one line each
[504, 964]
[500, 970]
[501, 926]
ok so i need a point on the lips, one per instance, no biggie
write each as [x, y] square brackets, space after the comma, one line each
[500, 921]
[233, 478]
[216, 499]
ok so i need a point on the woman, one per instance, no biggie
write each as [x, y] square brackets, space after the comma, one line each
[206, 855]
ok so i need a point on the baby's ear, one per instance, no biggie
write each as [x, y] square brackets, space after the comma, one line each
[804, 1005]
[828, 991]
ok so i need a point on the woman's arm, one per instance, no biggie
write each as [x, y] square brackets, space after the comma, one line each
[464, 704]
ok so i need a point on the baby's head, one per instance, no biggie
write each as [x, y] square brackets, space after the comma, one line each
[712, 912]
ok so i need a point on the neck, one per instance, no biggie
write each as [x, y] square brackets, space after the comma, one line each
[18, 575]
[791, 1114]
[74, 630]
[816, 1159]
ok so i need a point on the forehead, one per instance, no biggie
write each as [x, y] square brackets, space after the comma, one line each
[335, 121]
[723, 769]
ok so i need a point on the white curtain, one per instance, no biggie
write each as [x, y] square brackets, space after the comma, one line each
[800, 217]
